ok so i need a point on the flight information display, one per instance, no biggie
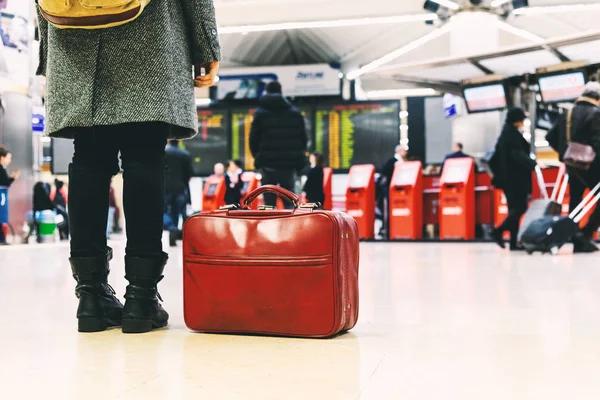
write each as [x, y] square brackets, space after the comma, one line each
[563, 87]
[210, 145]
[357, 133]
[241, 124]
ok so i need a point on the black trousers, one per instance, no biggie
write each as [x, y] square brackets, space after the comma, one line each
[579, 181]
[283, 178]
[95, 162]
[517, 206]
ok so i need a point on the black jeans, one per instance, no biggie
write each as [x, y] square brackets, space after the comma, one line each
[579, 181]
[175, 205]
[283, 178]
[142, 148]
[517, 206]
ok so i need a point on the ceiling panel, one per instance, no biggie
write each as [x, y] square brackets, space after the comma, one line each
[520, 64]
[454, 73]
[588, 52]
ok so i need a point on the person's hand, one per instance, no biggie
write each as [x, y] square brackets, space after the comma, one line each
[208, 79]
[16, 175]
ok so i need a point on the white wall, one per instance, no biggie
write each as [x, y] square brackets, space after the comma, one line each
[477, 132]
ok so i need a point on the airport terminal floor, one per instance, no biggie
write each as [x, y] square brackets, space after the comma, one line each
[437, 321]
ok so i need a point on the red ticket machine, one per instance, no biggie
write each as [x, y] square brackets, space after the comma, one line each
[213, 195]
[251, 183]
[406, 201]
[457, 200]
[360, 199]
[327, 188]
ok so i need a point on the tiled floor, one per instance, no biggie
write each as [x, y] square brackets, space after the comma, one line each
[437, 322]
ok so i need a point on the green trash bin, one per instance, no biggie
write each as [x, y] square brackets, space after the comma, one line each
[47, 226]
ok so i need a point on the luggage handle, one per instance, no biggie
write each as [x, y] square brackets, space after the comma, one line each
[540, 180]
[560, 186]
[586, 205]
[279, 191]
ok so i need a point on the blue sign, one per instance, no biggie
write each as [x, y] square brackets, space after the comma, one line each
[38, 122]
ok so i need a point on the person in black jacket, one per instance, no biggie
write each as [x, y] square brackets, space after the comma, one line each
[513, 174]
[314, 182]
[5, 180]
[178, 174]
[382, 190]
[585, 128]
[278, 141]
[233, 182]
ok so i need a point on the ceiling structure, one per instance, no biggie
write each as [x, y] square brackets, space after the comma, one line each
[355, 33]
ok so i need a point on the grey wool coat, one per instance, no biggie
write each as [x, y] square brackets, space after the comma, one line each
[137, 72]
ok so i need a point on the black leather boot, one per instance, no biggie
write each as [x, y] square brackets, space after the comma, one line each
[142, 311]
[98, 307]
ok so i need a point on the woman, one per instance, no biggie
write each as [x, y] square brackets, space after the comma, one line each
[233, 182]
[513, 175]
[125, 90]
[314, 182]
[5, 181]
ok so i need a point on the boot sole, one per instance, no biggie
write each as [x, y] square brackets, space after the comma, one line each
[140, 325]
[92, 324]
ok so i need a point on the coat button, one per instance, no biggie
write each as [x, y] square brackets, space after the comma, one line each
[214, 32]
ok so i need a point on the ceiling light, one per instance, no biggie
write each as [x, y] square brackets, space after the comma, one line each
[431, 6]
[520, 4]
[415, 44]
[286, 26]
[399, 93]
[447, 3]
[498, 3]
[556, 9]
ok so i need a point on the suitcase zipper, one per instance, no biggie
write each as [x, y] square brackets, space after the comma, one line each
[307, 261]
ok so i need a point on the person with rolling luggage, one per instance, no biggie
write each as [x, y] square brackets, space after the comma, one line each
[581, 127]
[512, 174]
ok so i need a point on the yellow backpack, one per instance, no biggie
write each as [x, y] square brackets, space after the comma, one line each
[91, 14]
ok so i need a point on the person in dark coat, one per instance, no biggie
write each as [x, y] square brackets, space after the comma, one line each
[278, 141]
[60, 202]
[513, 175]
[382, 191]
[178, 175]
[457, 152]
[6, 180]
[233, 182]
[585, 128]
[313, 187]
[125, 91]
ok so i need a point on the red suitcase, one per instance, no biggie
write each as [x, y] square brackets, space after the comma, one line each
[271, 272]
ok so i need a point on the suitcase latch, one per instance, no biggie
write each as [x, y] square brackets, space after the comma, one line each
[310, 206]
[229, 207]
[265, 207]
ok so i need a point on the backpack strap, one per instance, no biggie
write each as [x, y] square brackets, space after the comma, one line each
[569, 119]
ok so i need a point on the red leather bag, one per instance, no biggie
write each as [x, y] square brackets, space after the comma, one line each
[271, 272]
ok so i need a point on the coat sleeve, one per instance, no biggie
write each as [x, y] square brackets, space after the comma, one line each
[554, 137]
[255, 134]
[43, 53]
[519, 156]
[202, 30]
[5, 180]
[595, 136]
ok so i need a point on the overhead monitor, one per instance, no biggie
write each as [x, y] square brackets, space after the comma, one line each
[546, 119]
[483, 98]
[563, 87]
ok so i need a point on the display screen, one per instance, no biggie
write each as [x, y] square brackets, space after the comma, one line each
[564, 87]
[210, 145]
[212, 189]
[241, 87]
[485, 98]
[546, 119]
[359, 180]
[455, 174]
[406, 177]
[241, 124]
[357, 133]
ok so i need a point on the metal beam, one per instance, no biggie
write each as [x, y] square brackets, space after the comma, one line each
[440, 86]
[510, 51]
[482, 68]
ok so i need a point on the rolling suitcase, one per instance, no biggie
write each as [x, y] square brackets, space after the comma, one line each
[545, 206]
[549, 234]
[271, 272]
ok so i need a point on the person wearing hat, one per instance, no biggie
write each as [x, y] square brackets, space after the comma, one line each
[513, 175]
[585, 128]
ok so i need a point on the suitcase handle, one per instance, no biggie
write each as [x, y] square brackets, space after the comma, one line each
[279, 191]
